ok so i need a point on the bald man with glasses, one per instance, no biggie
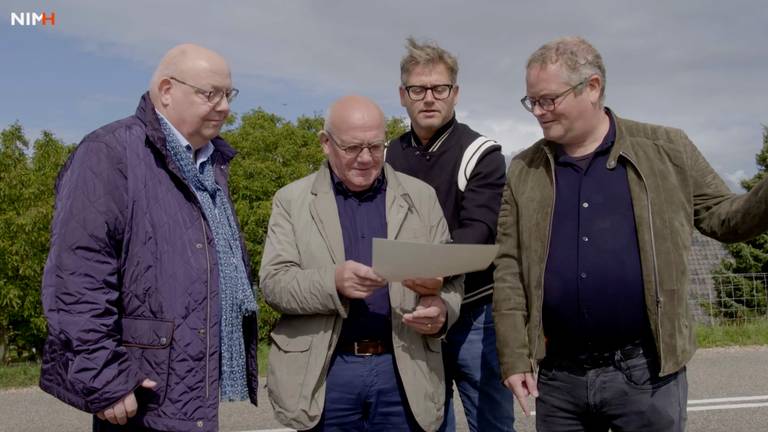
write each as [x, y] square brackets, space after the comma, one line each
[351, 350]
[151, 312]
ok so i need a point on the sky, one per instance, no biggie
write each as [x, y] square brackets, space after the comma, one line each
[701, 66]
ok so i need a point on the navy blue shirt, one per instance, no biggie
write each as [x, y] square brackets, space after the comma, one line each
[363, 216]
[593, 285]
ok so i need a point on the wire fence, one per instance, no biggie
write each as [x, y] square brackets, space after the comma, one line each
[729, 298]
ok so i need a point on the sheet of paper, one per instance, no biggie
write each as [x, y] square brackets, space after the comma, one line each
[396, 260]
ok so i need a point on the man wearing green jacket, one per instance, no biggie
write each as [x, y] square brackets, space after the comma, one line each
[594, 230]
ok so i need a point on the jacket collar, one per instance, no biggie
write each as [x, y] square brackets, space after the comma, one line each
[620, 147]
[326, 215]
[145, 112]
[437, 138]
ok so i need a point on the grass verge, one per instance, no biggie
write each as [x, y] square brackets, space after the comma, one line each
[752, 333]
[19, 375]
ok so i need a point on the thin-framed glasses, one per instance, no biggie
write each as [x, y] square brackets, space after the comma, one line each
[547, 103]
[212, 96]
[354, 150]
[439, 92]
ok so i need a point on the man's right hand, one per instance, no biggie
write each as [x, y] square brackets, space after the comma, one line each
[522, 385]
[357, 281]
[125, 408]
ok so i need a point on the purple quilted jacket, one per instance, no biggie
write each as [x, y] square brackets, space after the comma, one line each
[131, 286]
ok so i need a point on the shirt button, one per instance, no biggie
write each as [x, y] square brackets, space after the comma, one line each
[585, 238]
[585, 204]
[583, 275]
[199, 245]
[200, 424]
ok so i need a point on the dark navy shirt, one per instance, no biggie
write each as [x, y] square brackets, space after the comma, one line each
[593, 285]
[363, 216]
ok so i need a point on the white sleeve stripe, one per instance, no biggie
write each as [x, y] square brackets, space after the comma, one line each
[471, 156]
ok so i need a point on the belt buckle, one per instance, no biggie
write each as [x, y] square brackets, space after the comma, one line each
[358, 353]
[598, 360]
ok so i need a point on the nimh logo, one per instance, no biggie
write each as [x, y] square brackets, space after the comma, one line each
[33, 18]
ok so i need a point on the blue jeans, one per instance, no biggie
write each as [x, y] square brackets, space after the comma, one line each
[364, 393]
[626, 396]
[471, 361]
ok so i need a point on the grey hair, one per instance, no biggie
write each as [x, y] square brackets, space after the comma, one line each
[578, 59]
[427, 53]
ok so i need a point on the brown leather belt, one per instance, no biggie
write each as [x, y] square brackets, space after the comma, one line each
[365, 347]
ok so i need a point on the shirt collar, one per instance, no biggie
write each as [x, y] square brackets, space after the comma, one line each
[605, 145]
[437, 138]
[339, 188]
[201, 155]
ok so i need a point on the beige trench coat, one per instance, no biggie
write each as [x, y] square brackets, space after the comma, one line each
[303, 246]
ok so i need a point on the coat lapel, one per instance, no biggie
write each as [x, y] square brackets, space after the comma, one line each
[398, 206]
[398, 203]
[325, 214]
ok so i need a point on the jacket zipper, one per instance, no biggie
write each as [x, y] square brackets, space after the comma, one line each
[653, 249]
[208, 311]
[534, 365]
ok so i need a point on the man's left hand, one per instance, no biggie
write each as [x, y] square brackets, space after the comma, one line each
[428, 317]
[424, 286]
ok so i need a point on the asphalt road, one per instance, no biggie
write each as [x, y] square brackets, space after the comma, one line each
[728, 392]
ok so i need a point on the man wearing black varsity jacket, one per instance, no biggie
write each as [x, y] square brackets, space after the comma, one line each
[468, 172]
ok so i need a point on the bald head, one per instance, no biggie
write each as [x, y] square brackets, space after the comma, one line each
[179, 88]
[353, 141]
[183, 58]
[353, 110]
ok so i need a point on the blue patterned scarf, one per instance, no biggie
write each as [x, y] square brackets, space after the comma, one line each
[237, 299]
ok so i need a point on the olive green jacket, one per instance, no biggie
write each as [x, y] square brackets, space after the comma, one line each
[673, 190]
[303, 246]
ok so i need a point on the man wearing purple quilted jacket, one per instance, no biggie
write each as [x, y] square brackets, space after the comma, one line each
[151, 314]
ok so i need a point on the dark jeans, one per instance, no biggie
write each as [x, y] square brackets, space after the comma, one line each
[471, 361]
[364, 393]
[625, 396]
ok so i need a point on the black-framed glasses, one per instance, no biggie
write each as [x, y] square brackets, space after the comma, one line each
[354, 150]
[212, 96]
[547, 103]
[439, 92]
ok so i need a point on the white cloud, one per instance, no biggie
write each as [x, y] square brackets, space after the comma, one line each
[700, 66]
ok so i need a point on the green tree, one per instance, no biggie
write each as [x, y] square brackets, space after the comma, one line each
[745, 297]
[27, 177]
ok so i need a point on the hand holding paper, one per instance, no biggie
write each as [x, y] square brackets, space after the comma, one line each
[424, 286]
[356, 281]
[428, 317]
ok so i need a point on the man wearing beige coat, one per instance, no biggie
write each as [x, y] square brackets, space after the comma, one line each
[352, 351]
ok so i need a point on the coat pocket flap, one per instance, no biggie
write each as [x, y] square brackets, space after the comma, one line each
[147, 333]
[291, 344]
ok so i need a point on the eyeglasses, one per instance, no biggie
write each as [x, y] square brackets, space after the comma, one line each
[547, 103]
[212, 96]
[439, 92]
[354, 150]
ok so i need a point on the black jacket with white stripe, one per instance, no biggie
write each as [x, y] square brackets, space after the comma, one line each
[468, 172]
